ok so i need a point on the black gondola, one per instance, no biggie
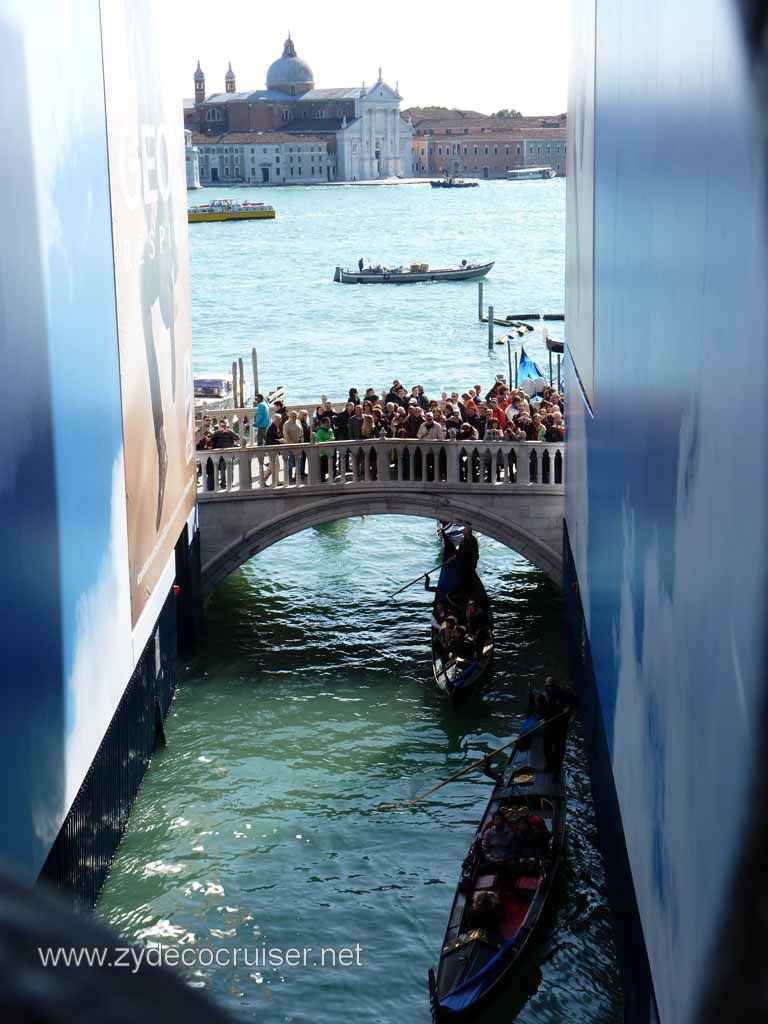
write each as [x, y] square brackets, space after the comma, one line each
[505, 881]
[459, 666]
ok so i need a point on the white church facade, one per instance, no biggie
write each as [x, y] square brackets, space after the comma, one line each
[377, 143]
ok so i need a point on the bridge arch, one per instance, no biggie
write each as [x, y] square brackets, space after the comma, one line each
[237, 527]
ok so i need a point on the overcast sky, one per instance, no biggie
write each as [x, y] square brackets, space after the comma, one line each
[502, 53]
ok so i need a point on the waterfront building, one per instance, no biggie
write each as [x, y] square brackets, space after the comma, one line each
[666, 508]
[487, 147]
[364, 133]
[191, 156]
[265, 158]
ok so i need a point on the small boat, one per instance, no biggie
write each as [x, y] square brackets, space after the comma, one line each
[552, 343]
[508, 873]
[527, 173]
[453, 183]
[506, 321]
[512, 318]
[212, 393]
[417, 272]
[228, 209]
[458, 671]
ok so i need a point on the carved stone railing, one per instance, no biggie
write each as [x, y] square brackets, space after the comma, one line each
[334, 465]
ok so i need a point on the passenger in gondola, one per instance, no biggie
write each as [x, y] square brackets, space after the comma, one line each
[360, 264]
[477, 624]
[518, 840]
[438, 613]
[461, 646]
[448, 633]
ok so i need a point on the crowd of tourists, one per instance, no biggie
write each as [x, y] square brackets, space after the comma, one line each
[532, 412]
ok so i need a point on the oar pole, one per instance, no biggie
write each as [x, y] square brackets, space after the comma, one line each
[477, 764]
[423, 576]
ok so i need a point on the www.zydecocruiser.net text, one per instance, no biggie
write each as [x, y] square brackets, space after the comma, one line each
[132, 958]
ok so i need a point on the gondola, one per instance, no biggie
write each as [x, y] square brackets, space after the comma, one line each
[457, 672]
[502, 891]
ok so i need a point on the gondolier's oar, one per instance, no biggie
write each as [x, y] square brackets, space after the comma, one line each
[475, 764]
[423, 575]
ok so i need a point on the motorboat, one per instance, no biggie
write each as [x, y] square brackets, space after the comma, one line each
[413, 274]
[228, 209]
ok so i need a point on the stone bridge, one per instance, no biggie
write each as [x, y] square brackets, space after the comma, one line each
[251, 497]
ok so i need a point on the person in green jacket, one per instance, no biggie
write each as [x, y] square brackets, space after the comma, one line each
[324, 433]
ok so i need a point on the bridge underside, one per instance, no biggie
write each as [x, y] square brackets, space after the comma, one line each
[235, 527]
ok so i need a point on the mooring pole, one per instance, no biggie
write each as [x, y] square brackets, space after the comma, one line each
[241, 372]
[558, 371]
[479, 300]
[515, 368]
[234, 384]
[255, 364]
[550, 367]
[490, 328]
[509, 357]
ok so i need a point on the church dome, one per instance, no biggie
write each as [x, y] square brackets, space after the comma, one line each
[290, 74]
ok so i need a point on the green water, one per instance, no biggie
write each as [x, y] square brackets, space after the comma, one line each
[312, 701]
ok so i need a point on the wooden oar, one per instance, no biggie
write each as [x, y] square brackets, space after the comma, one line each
[475, 764]
[423, 575]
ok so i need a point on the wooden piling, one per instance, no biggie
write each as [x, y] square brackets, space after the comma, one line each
[550, 367]
[509, 357]
[242, 383]
[515, 367]
[234, 383]
[255, 365]
[479, 300]
[490, 328]
[558, 371]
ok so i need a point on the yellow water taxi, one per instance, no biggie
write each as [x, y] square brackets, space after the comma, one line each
[227, 209]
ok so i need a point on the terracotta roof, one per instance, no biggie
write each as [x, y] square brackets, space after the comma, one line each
[252, 138]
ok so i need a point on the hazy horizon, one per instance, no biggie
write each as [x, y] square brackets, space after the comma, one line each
[441, 56]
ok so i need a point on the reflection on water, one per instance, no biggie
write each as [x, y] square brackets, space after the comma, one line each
[310, 704]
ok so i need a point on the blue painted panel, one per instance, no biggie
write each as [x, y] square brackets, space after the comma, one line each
[666, 501]
[69, 642]
[31, 723]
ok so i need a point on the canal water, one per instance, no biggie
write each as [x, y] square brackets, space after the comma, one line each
[311, 701]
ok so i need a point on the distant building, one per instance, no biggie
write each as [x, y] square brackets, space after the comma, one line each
[363, 131]
[192, 161]
[264, 158]
[478, 146]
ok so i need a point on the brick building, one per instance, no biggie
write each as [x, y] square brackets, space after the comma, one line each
[468, 144]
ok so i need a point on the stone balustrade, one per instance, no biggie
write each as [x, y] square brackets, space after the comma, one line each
[386, 463]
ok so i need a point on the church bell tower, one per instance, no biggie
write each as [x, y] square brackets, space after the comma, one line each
[199, 86]
[229, 79]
